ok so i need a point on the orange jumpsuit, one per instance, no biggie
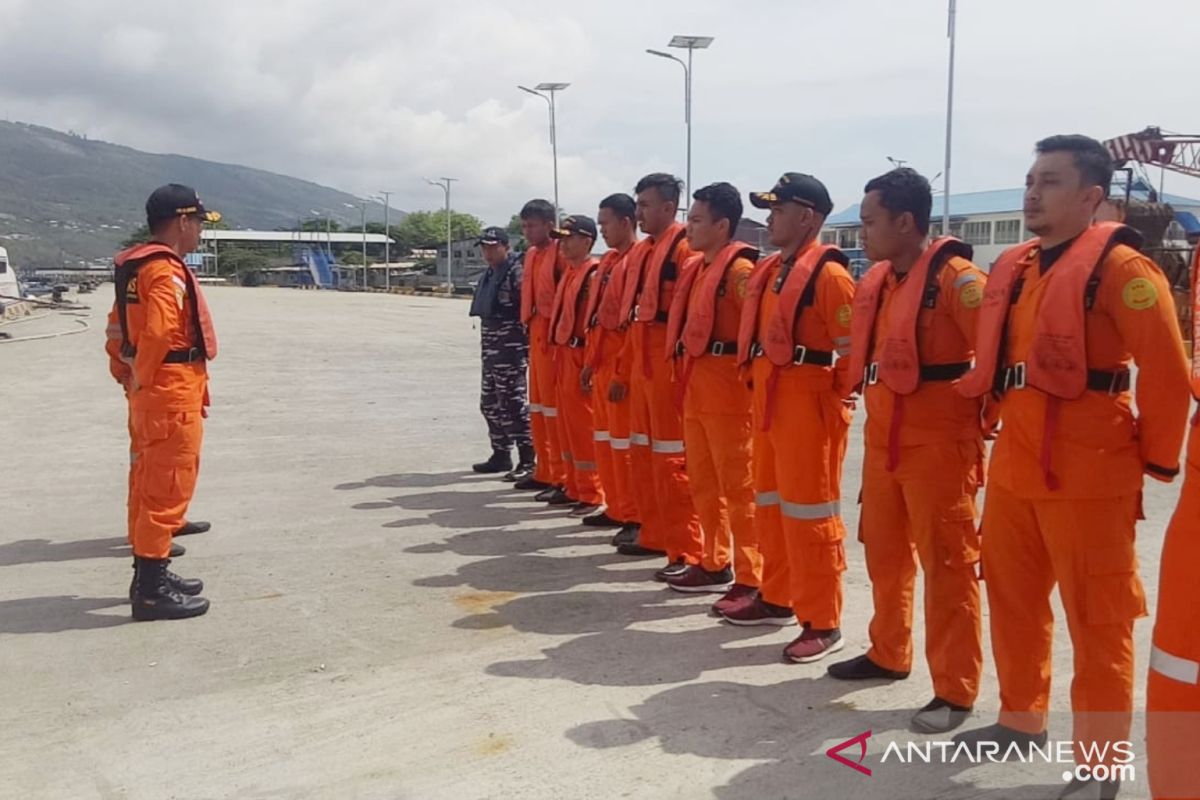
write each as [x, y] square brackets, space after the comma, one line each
[716, 431]
[922, 507]
[799, 451]
[1080, 534]
[568, 332]
[538, 283]
[605, 341]
[1173, 690]
[660, 481]
[166, 402]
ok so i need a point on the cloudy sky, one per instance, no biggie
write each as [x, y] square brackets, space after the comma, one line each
[370, 96]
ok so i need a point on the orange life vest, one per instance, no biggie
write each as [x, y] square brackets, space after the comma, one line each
[899, 363]
[1057, 361]
[538, 286]
[566, 303]
[604, 304]
[127, 263]
[643, 290]
[690, 325]
[796, 287]
[1196, 323]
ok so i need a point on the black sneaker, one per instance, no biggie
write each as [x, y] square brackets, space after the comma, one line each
[545, 494]
[559, 498]
[531, 484]
[673, 570]
[177, 550]
[939, 716]
[635, 549]
[627, 535]
[602, 520]
[1002, 735]
[190, 528]
[861, 668]
[696, 579]
[518, 473]
[1091, 789]
[501, 461]
[585, 510]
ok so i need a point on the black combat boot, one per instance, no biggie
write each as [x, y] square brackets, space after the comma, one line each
[188, 586]
[501, 461]
[154, 597]
[525, 464]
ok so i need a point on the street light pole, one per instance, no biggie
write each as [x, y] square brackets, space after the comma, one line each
[387, 241]
[550, 89]
[953, 14]
[325, 212]
[691, 44]
[444, 184]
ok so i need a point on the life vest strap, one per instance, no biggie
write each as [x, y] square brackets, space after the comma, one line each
[800, 355]
[1111, 382]
[927, 372]
[715, 348]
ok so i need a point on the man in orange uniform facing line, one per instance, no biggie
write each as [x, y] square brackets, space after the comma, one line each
[913, 332]
[796, 320]
[702, 337]
[605, 341]
[166, 338]
[1061, 317]
[568, 321]
[1173, 692]
[669, 522]
[539, 284]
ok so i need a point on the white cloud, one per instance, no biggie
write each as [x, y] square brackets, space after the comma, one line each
[369, 96]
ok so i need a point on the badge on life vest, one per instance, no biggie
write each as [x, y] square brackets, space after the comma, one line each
[1139, 294]
[843, 316]
[741, 284]
[971, 296]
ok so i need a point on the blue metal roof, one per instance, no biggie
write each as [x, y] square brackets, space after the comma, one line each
[999, 201]
[1189, 222]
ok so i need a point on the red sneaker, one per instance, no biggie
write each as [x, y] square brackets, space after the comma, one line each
[760, 612]
[813, 645]
[739, 594]
[696, 579]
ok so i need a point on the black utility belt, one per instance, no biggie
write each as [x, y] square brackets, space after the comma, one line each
[927, 372]
[184, 356]
[715, 348]
[800, 355]
[661, 316]
[1098, 380]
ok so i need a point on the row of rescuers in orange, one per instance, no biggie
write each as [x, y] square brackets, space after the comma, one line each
[701, 398]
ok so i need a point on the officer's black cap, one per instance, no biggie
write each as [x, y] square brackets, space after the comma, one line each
[493, 235]
[796, 187]
[176, 200]
[576, 223]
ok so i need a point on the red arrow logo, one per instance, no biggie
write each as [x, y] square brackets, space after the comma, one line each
[861, 740]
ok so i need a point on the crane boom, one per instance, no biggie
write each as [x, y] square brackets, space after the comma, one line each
[1170, 151]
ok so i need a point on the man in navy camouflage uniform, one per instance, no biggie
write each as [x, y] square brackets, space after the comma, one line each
[505, 348]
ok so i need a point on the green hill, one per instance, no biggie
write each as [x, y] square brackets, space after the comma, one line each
[65, 198]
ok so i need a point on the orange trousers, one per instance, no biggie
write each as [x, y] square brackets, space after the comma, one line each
[1087, 548]
[798, 476]
[1173, 690]
[611, 421]
[166, 460]
[543, 405]
[722, 483]
[924, 511]
[660, 479]
[576, 431]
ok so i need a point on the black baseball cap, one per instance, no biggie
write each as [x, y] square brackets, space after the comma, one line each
[576, 223]
[176, 200]
[797, 188]
[493, 235]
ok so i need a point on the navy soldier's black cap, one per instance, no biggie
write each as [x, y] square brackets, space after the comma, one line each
[493, 235]
[576, 223]
[796, 187]
[176, 200]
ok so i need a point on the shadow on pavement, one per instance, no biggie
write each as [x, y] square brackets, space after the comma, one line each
[36, 551]
[61, 613]
[417, 480]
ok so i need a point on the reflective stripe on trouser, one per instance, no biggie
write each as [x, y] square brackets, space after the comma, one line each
[543, 421]
[718, 463]
[612, 454]
[167, 444]
[1173, 689]
[575, 425]
[1087, 548]
[660, 479]
[925, 510]
[798, 475]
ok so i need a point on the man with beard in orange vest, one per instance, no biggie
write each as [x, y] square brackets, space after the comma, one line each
[1061, 319]
[913, 333]
[669, 522]
[795, 325]
[539, 284]
[605, 341]
[1173, 690]
[166, 339]
[568, 333]
[702, 340]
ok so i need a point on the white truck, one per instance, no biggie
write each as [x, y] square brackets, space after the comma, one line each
[10, 290]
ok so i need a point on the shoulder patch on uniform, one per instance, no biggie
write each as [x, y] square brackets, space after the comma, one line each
[964, 279]
[741, 283]
[843, 316]
[1139, 294]
[971, 295]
